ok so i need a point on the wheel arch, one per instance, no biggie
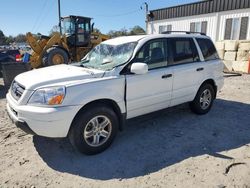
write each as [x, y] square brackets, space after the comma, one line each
[106, 102]
[212, 83]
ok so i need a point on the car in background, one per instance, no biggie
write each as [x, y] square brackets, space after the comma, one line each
[7, 55]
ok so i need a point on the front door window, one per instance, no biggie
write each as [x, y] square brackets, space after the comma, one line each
[154, 54]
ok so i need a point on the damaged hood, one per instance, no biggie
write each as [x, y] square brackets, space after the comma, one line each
[56, 74]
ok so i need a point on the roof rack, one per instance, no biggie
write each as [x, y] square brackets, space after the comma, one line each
[187, 32]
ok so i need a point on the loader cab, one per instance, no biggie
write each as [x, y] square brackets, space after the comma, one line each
[77, 30]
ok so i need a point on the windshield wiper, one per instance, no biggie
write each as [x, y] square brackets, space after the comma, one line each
[106, 61]
[87, 66]
[85, 61]
[81, 65]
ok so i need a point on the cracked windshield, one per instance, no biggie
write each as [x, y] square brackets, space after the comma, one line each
[107, 56]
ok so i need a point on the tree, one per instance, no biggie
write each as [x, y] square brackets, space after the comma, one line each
[9, 39]
[96, 30]
[55, 29]
[121, 32]
[19, 38]
[136, 30]
[2, 38]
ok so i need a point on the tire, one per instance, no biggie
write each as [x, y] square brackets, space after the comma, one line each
[203, 100]
[84, 132]
[55, 56]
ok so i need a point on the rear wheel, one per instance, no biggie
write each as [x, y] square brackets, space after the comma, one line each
[203, 100]
[55, 56]
[94, 130]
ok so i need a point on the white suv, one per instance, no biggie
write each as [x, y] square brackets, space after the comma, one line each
[119, 79]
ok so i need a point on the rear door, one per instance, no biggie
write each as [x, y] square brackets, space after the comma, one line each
[151, 91]
[214, 66]
[188, 69]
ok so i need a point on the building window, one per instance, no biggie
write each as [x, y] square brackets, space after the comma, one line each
[200, 27]
[169, 27]
[197, 27]
[243, 28]
[236, 28]
[163, 28]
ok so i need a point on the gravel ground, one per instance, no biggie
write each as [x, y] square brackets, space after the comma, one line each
[170, 148]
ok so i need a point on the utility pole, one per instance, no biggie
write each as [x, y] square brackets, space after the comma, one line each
[146, 15]
[59, 14]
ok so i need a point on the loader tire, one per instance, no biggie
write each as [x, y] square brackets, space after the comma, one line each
[55, 56]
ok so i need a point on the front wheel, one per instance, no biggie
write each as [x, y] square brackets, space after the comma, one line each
[94, 130]
[203, 100]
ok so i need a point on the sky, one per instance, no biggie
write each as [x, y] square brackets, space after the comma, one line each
[41, 15]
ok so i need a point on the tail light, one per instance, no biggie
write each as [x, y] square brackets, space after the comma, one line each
[18, 58]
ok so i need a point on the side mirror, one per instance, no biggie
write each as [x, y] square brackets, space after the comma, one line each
[139, 68]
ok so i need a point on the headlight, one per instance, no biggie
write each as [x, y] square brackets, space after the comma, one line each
[48, 96]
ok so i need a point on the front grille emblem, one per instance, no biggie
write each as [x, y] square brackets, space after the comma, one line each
[17, 90]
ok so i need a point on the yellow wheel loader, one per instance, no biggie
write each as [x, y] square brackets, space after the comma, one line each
[76, 41]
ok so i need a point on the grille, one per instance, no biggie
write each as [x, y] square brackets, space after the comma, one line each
[16, 90]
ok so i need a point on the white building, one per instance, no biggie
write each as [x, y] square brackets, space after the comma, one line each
[219, 19]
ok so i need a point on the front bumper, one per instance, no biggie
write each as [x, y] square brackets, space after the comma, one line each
[43, 121]
[21, 124]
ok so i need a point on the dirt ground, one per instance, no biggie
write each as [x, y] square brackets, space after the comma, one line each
[170, 148]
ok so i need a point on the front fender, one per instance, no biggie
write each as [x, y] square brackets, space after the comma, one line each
[110, 88]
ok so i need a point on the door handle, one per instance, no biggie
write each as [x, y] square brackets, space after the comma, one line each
[166, 76]
[200, 69]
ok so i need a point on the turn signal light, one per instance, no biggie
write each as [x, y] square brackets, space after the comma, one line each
[56, 100]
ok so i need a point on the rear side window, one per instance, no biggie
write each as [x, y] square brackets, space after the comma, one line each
[183, 50]
[208, 50]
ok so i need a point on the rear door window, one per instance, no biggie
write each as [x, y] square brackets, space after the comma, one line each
[207, 48]
[183, 50]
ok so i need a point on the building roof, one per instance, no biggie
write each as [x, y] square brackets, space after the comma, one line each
[197, 8]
